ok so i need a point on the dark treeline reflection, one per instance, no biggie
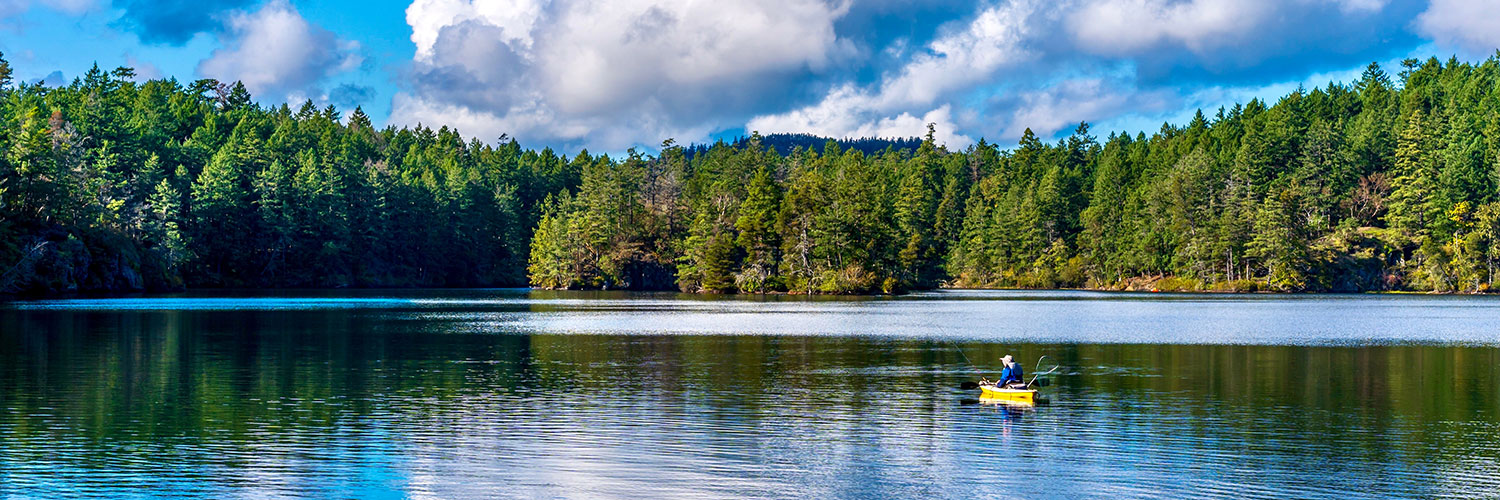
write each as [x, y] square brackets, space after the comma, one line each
[381, 401]
[167, 372]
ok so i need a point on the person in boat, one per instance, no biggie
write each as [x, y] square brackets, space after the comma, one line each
[1012, 375]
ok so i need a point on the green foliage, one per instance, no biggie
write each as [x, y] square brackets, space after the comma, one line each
[111, 185]
[757, 237]
[1376, 185]
[1176, 284]
[1278, 243]
[5, 72]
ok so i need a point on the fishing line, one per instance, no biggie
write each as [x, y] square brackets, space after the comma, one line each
[972, 366]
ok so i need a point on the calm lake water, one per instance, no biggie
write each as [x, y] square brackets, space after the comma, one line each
[511, 393]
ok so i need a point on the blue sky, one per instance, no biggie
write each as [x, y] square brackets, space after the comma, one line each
[613, 74]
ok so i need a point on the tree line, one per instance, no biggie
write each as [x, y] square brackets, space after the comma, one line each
[111, 185]
[1379, 184]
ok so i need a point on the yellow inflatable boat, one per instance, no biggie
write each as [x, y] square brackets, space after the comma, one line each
[990, 391]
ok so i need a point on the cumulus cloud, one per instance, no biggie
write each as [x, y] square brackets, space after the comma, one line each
[615, 74]
[1019, 64]
[839, 116]
[1470, 25]
[1119, 27]
[1060, 106]
[611, 72]
[995, 39]
[471, 65]
[427, 19]
[959, 60]
[532, 119]
[594, 62]
[173, 22]
[1126, 26]
[277, 53]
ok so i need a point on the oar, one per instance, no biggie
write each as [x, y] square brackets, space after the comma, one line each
[969, 385]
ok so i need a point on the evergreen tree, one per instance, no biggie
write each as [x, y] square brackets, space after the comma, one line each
[758, 238]
[237, 98]
[164, 229]
[1278, 243]
[1411, 206]
[5, 72]
[1383, 183]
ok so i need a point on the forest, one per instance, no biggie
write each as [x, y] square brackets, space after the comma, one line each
[1386, 183]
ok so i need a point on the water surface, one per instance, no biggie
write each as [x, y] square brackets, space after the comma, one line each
[510, 393]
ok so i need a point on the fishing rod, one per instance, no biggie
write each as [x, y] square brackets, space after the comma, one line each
[1037, 375]
[968, 384]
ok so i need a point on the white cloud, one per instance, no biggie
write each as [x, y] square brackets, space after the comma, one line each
[1062, 105]
[565, 69]
[275, 51]
[427, 19]
[144, 70]
[843, 111]
[1011, 56]
[848, 113]
[1117, 27]
[1121, 27]
[536, 121]
[1472, 25]
[614, 74]
[993, 40]
[601, 54]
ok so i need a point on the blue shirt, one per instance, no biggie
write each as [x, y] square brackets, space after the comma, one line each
[1012, 373]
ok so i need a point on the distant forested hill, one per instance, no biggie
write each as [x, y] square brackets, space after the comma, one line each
[786, 144]
[107, 184]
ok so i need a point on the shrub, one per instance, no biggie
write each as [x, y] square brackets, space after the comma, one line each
[1176, 284]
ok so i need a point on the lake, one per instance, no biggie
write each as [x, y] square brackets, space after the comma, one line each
[522, 394]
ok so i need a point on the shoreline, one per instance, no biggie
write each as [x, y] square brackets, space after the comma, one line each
[6, 298]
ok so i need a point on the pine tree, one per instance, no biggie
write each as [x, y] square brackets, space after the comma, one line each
[915, 210]
[551, 264]
[5, 72]
[277, 204]
[797, 223]
[757, 237]
[359, 120]
[163, 227]
[1278, 243]
[237, 98]
[1411, 204]
[1104, 219]
[224, 219]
